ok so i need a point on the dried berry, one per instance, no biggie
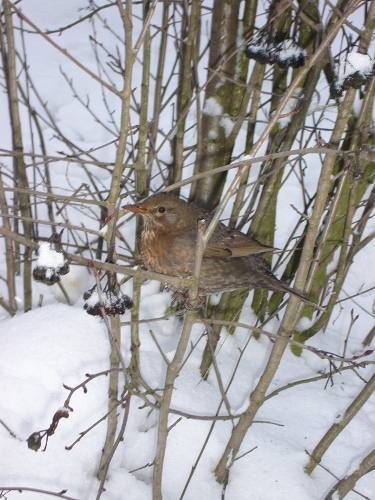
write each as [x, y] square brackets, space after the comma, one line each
[46, 275]
[50, 265]
[112, 303]
[88, 293]
[269, 51]
[354, 71]
[259, 50]
[34, 441]
[288, 54]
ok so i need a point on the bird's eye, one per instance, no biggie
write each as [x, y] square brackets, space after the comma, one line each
[161, 210]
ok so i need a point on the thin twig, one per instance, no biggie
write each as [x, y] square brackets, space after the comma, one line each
[60, 494]
[83, 67]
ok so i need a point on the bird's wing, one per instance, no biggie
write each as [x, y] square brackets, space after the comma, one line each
[231, 243]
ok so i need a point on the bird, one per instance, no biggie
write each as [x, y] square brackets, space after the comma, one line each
[231, 259]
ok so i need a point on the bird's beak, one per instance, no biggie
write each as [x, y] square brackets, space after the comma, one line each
[135, 208]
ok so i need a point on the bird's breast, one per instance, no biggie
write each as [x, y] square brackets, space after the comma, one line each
[166, 252]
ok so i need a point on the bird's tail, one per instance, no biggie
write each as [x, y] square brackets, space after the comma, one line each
[260, 276]
[300, 295]
[263, 278]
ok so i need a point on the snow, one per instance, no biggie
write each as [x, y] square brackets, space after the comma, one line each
[355, 62]
[287, 111]
[289, 50]
[75, 283]
[41, 351]
[212, 135]
[49, 257]
[227, 125]
[103, 231]
[304, 323]
[355, 69]
[212, 107]
[56, 345]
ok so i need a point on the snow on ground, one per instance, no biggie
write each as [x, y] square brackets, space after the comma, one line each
[60, 344]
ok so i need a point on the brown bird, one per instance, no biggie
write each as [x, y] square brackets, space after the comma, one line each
[230, 261]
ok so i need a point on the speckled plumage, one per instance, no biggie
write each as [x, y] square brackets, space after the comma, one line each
[231, 259]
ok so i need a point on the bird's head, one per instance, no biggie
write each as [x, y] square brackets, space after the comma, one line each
[166, 211]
